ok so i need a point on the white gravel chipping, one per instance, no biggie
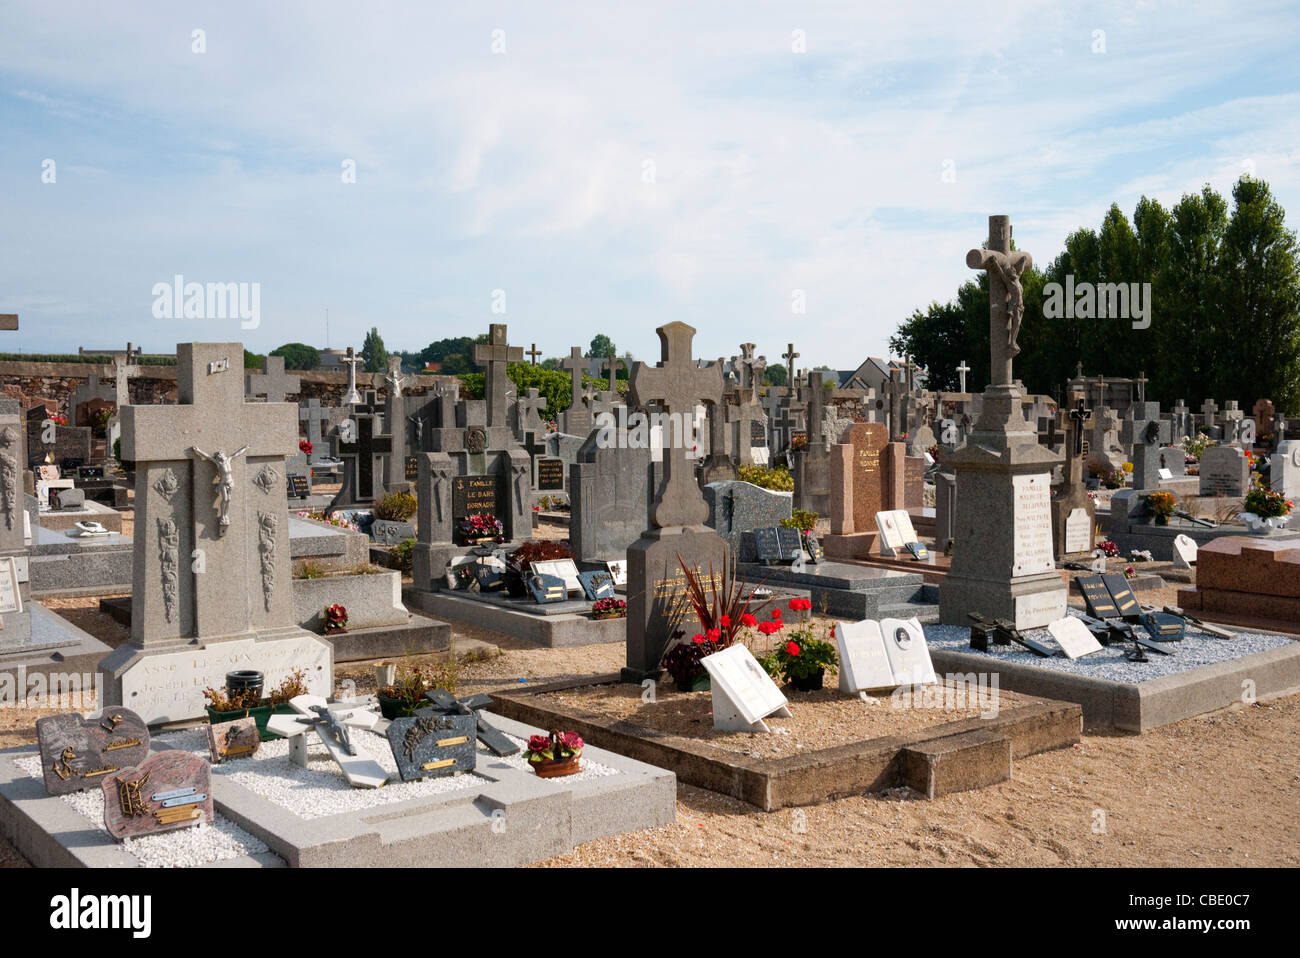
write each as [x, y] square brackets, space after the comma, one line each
[589, 771]
[1195, 650]
[320, 789]
[183, 848]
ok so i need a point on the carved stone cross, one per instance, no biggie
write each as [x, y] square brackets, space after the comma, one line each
[677, 385]
[577, 418]
[789, 356]
[351, 397]
[533, 354]
[1006, 296]
[496, 354]
[962, 370]
[273, 382]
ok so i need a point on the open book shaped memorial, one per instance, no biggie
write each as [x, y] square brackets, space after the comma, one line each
[882, 655]
[743, 694]
[897, 535]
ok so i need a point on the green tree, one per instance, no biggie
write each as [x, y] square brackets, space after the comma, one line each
[373, 352]
[602, 346]
[553, 385]
[252, 360]
[298, 355]
[775, 376]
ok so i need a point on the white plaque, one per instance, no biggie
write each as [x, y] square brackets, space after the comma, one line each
[1031, 522]
[743, 694]
[1184, 552]
[168, 686]
[891, 537]
[1165, 473]
[1038, 609]
[11, 599]
[1073, 637]
[561, 568]
[1077, 526]
[618, 569]
[864, 663]
[909, 656]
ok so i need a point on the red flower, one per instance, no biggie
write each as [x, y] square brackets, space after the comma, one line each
[725, 621]
[715, 635]
[792, 648]
[699, 638]
[800, 605]
[539, 743]
[776, 613]
[767, 628]
[748, 621]
[571, 739]
[305, 446]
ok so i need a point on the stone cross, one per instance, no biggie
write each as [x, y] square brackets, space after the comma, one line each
[1074, 442]
[496, 354]
[787, 423]
[315, 416]
[272, 382]
[610, 366]
[577, 419]
[351, 397]
[534, 353]
[365, 446]
[789, 356]
[1078, 415]
[124, 369]
[1142, 386]
[1279, 430]
[529, 410]
[676, 385]
[894, 388]
[1006, 296]
[1146, 432]
[1208, 412]
[1180, 421]
[242, 583]
[816, 396]
[962, 370]
[395, 421]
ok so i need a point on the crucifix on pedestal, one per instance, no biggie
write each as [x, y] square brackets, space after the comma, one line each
[351, 397]
[789, 356]
[962, 370]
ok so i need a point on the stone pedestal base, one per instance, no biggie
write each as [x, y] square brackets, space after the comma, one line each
[656, 592]
[854, 545]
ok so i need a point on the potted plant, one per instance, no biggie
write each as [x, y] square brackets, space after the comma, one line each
[803, 658]
[484, 527]
[554, 755]
[682, 662]
[609, 608]
[336, 619]
[1271, 507]
[1161, 505]
[403, 696]
[245, 700]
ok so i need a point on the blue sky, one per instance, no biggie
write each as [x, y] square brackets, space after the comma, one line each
[526, 169]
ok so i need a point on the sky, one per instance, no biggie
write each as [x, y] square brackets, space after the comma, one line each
[806, 172]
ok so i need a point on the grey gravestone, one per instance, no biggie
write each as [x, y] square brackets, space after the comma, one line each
[737, 508]
[1147, 433]
[1225, 471]
[576, 420]
[211, 575]
[430, 744]
[398, 428]
[609, 495]
[390, 532]
[1284, 469]
[677, 534]
[77, 752]
[1003, 566]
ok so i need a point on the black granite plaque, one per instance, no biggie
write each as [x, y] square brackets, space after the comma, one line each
[1097, 597]
[757, 432]
[790, 542]
[918, 551]
[90, 472]
[489, 579]
[767, 545]
[78, 753]
[476, 496]
[814, 548]
[1120, 593]
[431, 744]
[597, 585]
[550, 474]
[412, 468]
[298, 487]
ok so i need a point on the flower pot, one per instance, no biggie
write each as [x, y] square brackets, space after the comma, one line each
[245, 680]
[555, 767]
[395, 708]
[696, 683]
[385, 674]
[617, 614]
[258, 713]
[1162, 520]
[809, 683]
[335, 630]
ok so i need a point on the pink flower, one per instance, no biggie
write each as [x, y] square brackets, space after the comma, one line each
[539, 743]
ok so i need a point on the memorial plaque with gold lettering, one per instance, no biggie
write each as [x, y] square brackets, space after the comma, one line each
[431, 744]
[167, 791]
[1097, 597]
[550, 475]
[1125, 601]
[476, 496]
[767, 545]
[76, 752]
[232, 740]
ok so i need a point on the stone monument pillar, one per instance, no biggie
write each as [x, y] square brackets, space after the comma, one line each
[1003, 565]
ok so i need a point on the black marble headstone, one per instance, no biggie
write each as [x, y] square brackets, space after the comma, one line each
[547, 588]
[767, 545]
[597, 585]
[790, 542]
[476, 495]
[550, 474]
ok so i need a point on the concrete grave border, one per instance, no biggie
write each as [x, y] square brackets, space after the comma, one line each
[543, 818]
[952, 757]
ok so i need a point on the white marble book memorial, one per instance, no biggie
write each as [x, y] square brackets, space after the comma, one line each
[743, 694]
[882, 655]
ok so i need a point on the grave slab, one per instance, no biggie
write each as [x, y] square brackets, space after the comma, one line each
[558, 625]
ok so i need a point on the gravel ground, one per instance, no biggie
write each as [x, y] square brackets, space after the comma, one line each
[183, 848]
[1194, 651]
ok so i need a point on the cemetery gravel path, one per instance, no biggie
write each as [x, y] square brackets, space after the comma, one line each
[1218, 790]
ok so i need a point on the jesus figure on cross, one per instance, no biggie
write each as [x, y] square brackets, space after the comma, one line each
[1009, 271]
[227, 477]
